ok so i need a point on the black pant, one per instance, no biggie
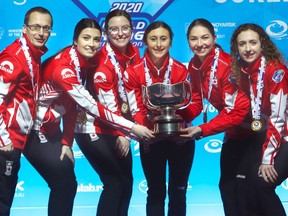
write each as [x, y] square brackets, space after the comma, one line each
[154, 159]
[60, 176]
[265, 200]
[114, 172]
[237, 159]
[9, 167]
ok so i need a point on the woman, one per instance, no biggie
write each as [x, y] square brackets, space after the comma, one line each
[108, 151]
[210, 73]
[157, 66]
[48, 149]
[257, 67]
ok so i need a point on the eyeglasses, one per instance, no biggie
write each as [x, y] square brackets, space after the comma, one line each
[115, 30]
[46, 29]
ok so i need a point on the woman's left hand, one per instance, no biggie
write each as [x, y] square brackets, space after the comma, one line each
[269, 174]
[122, 146]
[66, 150]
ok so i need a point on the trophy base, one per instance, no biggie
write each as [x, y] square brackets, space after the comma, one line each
[167, 134]
[168, 130]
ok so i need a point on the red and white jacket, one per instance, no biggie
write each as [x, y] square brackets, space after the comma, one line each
[135, 78]
[17, 98]
[231, 102]
[62, 85]
[274, 104]
[105, 88]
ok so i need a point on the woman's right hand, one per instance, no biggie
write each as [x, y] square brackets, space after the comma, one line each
[192, 132]
[142, 132]
[7, 148]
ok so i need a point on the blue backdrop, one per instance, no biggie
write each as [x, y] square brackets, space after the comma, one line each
[203, 195]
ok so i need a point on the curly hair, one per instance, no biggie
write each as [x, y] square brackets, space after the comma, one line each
[269, 49]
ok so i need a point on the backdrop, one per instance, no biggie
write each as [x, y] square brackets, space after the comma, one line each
[203, 195]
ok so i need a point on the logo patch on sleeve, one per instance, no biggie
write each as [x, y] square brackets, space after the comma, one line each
[278, 76]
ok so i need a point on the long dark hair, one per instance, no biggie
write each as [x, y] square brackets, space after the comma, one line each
[85, 23]
[204, 23]
[155, 25]
[116, 13]
[82, 24]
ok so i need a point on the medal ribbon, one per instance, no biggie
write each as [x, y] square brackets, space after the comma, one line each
[117, 68]
[81, 116]
[257, 101]
[167, 73]
[75, 60]
[25, 49]
[211, 81]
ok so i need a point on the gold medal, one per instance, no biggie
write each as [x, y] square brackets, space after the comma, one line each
[81, 117]
[256, 125]
[124, 107]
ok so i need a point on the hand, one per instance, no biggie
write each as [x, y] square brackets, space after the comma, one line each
[7, 148]
[66, 150]
[193, 132]
[142, 132]
[122, 146]
[269, 174]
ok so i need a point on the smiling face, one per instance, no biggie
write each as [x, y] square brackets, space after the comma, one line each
[88, 42]
[38, 37]
[249, 46]
[119, 32]
[158, 43]
[201, 41]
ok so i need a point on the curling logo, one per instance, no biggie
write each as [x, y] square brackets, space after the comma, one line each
[277, 29]
[142, 13]
[19, 2]
[213, 146]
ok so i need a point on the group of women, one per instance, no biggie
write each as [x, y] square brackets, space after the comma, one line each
[101, 93]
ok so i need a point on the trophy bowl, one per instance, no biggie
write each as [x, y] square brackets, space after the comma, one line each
[165, 99]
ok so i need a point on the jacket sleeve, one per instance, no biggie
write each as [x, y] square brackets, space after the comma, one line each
[277, 86]
[10, 69]
[236, 107]
[104, 87]
[133, 88]
[66, 79]
[196, 105]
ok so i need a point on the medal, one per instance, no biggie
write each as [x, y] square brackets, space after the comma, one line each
[256, 125]
[81, 117]
[124, 107]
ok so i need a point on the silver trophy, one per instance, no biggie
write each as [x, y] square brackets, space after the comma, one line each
[163, 100]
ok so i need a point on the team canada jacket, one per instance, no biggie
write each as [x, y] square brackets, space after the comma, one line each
[231, 102]
[105, 88]
[17, 94]
[134, 79]
[62, 87]
[273, 104]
